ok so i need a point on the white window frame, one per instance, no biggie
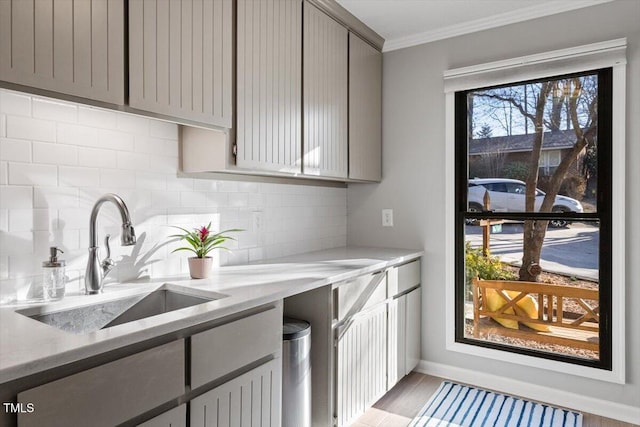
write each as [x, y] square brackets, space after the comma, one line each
[549, 64]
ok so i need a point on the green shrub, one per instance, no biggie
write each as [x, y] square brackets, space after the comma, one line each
[488, 268]
[516, 170]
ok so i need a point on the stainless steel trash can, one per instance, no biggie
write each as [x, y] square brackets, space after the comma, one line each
[296, 373]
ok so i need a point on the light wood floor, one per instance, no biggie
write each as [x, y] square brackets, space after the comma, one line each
[398, 407]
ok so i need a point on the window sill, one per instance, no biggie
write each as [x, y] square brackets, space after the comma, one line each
[614, 376]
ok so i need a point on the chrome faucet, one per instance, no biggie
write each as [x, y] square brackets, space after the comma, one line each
[96, 270]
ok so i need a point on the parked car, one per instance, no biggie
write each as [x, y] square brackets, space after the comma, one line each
[508, 195]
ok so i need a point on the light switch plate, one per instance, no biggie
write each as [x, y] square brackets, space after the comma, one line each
[387, 217]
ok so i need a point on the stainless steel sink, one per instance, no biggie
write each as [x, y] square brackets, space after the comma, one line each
[105, 314]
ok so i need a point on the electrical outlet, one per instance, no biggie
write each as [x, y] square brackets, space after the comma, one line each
[256, 220]
[387, 217]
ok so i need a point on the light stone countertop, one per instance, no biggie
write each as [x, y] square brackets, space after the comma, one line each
[28, 346]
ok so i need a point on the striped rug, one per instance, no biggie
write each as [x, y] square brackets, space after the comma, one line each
[457, 405]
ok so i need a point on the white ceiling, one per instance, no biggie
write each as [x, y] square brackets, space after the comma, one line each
[405, 23]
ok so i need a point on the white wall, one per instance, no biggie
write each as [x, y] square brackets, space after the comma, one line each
[414, 161]
[57, 158]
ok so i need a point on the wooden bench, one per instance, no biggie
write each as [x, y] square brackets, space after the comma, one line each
[565, 328]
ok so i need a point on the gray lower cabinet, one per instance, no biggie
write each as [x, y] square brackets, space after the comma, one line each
[176, 417]
[234, 367]
[365, 338]
[365, 110]
[324, 92]
[181, 59]
[360, 363]
[404, 320]
[73, 48]
[251, 399]
[109, 394]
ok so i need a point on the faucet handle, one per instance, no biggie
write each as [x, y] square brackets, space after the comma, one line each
[107, 263]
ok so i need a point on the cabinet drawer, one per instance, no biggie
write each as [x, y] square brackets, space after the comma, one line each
[223, 349]
[404, 277]
[356, 295]
[109, 394]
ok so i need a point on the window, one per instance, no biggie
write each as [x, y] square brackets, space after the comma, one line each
[557, 240]
[537, 197]
[549, 160]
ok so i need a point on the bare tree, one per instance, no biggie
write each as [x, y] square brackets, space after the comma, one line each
[581, 104]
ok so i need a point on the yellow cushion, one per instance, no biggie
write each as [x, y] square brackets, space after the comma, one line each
[494, 302]
[530, 306]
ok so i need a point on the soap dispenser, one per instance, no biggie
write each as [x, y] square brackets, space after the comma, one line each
[53, 279]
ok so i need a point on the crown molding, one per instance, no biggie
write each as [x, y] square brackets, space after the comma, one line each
[534, 11]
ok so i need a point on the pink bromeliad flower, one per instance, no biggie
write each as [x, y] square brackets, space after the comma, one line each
[204, 233]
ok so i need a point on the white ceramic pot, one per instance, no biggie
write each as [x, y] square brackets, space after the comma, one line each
[200, 268]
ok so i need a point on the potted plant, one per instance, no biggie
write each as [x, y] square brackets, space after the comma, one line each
[201, 241]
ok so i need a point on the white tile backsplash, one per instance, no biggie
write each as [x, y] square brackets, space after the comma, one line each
[71, 133]
[54, 110]
[16, 197]
[55, 197]
[78, 176]
[4, 178]
[96, 117]
[15, 103]
[16, 150]
[97, 157]
[3, 125]
[32, 174]
[59, 157]
[115, 140]
[56, 154]
[29, 128]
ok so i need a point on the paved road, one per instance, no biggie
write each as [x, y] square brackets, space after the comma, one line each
[572, 250]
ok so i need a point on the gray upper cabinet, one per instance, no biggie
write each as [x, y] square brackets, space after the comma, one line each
[365, 110]
[71, 47]
[325, 90]
[269, 85]
[181, 59]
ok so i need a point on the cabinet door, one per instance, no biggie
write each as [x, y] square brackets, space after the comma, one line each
[252, 399]
[181, 60]
[397, 340]
[365, 110]
[269, 79]
[176, 417]
[413, 328]
[361, 363]
[325, 86]
[74, 48]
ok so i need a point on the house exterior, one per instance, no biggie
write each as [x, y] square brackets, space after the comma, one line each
[489, 156]
[509, 157]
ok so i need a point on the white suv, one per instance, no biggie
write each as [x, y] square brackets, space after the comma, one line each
[508, 195]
